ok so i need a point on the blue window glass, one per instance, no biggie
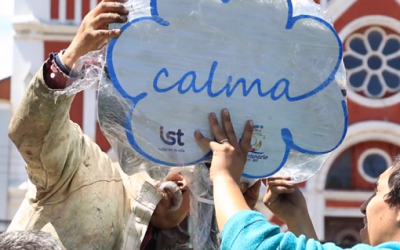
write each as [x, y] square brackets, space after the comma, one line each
[357, 45]
[357, 79]
[394, 63]
[392, 46]
[391, 80]
[374, 165]
[375, 38]
[374, 86]
[374, 62]
[351, 62]
[370, 70]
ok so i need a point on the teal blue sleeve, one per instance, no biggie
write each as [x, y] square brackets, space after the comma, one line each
[249, 230]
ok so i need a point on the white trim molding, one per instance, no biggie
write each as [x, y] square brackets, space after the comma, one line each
[343, 212]
[349, 29]
[346, 196]
[357, 133]
[28, 26]
[364, 155]
[338, 7]
[5, 105]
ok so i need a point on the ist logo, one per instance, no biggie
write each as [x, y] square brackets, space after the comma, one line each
[171, 137]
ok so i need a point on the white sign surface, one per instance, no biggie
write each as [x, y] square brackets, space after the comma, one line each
[273, 61]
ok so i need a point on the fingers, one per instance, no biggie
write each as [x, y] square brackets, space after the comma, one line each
[246, 138]
[108, 12]
[278, 178]
[111, 6]
[254, 190]
[174, 174]
[279, 185]
[256, 186]
[281, 182]
[228, 127]
[216, 128]
[204, 142]
[106, 18]
[265, 181]
[243, 187]
[281, 189]
[106, 34]
[227, 133]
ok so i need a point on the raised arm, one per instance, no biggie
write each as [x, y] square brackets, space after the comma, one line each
[42, 131]
[241, 227]
[49, 142]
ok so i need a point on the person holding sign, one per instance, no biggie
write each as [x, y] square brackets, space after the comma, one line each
[78, 194]
[243, 228]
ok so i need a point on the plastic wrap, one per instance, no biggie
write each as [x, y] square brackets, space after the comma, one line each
[277, 62]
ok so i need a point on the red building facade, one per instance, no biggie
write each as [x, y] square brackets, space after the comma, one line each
[369, 30]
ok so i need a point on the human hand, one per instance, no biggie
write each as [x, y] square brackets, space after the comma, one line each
[284, 199]
[287, 202]
[251, 194]
[93, 32]
[229, 155]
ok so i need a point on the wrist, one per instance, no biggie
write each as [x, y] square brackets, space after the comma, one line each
[222, 176]
[69, 57]
[301, 221]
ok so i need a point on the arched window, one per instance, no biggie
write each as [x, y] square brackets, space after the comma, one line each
[372, 61]
[339, 176]
[372, 163]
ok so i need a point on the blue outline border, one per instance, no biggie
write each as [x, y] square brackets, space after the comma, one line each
[285, 132]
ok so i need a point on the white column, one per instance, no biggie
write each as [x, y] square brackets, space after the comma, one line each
[93, 4]
[27, 9]
[78, 11]
[62, 11]
[316, 208]
[27, 60]
[90, 113]
[5, 144]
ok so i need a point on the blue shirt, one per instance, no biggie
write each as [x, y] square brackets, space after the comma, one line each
[249, 230]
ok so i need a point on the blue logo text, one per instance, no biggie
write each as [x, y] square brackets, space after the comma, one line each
[171, 137]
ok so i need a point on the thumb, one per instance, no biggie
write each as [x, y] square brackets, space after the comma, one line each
[269, 196]
[255, 189]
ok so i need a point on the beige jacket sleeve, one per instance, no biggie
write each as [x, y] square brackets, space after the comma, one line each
[48, 141]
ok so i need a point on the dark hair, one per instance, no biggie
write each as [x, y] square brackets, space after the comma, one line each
[393, 197]
[28, 240]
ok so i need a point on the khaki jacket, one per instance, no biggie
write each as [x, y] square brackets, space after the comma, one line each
[76, 192]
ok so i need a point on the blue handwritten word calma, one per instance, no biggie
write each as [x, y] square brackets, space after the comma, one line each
[229, 89]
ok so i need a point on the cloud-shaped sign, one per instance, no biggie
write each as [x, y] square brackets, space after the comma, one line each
[176, 61]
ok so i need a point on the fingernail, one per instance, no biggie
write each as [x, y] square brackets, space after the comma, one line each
[226, 112]
[251, 123]
[213, 115]
[291, 183]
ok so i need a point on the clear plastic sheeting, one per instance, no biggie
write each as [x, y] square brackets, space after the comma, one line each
[176, 61]
[277, 62]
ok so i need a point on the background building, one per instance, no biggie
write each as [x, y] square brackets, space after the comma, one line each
[369, 29]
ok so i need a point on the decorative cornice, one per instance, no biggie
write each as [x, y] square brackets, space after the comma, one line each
[28, 26]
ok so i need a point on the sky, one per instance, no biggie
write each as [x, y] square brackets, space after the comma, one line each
[6, 38]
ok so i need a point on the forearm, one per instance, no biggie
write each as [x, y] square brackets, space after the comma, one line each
[302, 226]
[228, 199]
[42, 131]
